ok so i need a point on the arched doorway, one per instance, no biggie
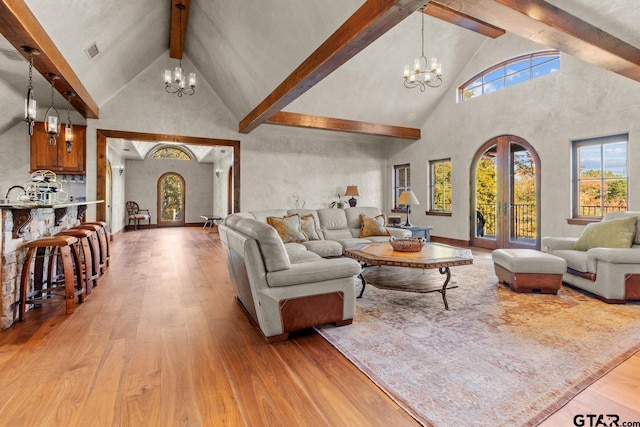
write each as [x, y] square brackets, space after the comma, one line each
[505, 182]
[171, 200]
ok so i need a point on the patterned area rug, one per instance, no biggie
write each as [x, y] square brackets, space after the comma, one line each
[496, 358]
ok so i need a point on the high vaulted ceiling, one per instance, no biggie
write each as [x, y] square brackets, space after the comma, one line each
[244, 49]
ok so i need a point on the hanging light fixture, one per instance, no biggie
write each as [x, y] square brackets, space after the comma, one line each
[68, 127]
[423, 73]
[176, 83]
[30, 106]
[52, 117]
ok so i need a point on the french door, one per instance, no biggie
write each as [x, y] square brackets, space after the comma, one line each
[171, 200]
[505, 195]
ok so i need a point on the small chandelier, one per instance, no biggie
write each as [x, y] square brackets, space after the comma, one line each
[68, 127]
[424, 73]
[30, 106]
[176, 83]
[52, 117]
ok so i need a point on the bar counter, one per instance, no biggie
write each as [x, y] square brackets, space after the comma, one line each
[22, 223]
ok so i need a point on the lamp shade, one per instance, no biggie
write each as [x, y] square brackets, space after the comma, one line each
[408, 198]
[352, 190]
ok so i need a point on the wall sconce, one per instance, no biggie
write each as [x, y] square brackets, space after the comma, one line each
[217, 173]
[120, 170]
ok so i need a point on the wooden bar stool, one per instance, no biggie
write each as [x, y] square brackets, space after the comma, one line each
[55, 250]
[107, 236]
[101, 238]
[91, 269]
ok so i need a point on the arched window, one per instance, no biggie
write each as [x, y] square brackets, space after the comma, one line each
[510, 72]
[171, 153]
[171, 199]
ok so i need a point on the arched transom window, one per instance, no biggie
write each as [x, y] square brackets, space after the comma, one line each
[171, 153]
[510, 72]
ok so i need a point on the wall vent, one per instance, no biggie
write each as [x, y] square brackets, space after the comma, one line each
[11, 54]
[92, 50]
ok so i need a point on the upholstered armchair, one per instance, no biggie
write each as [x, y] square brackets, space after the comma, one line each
[611, 273]
[136, 214]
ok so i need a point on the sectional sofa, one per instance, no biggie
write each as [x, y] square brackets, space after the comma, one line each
[286, 287]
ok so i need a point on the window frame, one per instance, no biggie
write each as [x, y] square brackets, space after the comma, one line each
[433, 209]
[576, 179]
[473, 84]
[397, 188]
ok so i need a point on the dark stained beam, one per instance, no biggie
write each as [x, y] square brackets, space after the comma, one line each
[329, 123]
[21, 28]
[465, 21]
[367, 24]
[548, 25]
[178, 30]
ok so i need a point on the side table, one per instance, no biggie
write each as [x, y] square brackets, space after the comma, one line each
[417, 231]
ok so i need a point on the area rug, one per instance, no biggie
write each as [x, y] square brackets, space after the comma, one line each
[496, 358]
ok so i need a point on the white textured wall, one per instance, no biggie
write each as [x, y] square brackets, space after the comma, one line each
[276, 162]
[118, 210]
[580, 101]
[142, 183]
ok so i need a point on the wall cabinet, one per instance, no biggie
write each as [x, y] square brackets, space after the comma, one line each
[55, 157]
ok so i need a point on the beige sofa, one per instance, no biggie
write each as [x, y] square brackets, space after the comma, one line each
[613, 275]
[286, 287]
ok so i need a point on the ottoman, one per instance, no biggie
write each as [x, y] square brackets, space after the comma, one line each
[528, 270]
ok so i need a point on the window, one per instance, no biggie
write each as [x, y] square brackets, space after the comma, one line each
[440, 171]
[509, 73]
[171, 153]
[600, 176]
[401, 182]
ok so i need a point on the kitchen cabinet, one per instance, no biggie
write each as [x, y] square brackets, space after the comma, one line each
[55, 157]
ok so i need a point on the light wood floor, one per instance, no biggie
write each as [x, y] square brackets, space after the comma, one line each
[162, 342]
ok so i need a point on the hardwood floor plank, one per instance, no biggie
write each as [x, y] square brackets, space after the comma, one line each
[163, 341]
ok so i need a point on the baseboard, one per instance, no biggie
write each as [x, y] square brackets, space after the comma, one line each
[115, 235]
[449, 241]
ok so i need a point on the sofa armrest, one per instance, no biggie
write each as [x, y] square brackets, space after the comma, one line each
[400, 233]
[615, 255]
[314, 271]
[558, 243]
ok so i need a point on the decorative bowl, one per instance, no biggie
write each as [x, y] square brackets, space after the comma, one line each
[407, 245]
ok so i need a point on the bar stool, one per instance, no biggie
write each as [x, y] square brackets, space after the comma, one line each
[107, 236]
[100, 237]
[54, 249]
[91, 269]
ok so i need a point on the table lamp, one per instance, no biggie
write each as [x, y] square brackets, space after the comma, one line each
[408, 198]
[352, 190]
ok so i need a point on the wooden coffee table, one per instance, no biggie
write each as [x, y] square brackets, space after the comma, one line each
[432, 255]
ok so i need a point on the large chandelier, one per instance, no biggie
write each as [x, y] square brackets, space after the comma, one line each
[423, 73]
[175, 82]
[30, 105]
[52, 117]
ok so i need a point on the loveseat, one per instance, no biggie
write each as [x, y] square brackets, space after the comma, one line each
[286, 287]
[612, 274]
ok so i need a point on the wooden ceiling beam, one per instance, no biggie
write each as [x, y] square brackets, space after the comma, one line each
[341, 125]
[548, 25]
[367, 24]
[178, 27]
[465, 21]
[21, 28]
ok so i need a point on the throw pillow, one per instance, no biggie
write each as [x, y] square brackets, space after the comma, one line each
[373, 226]
[617, 233]
[308, 226]
[288, 228]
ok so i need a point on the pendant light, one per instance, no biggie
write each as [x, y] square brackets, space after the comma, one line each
[176, 82]
[30, 106]
[52, 117]
[68, 127]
